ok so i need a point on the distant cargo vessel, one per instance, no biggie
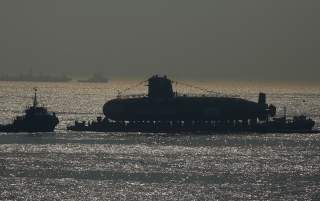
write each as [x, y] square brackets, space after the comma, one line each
[96, 78]
[163, 110]
[35, 119]
[35, 78]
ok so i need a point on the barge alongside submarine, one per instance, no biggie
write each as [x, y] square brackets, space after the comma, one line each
[164, 111]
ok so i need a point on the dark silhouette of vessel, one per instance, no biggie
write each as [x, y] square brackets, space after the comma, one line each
[96, 78]
[35, 78]
[163, 110]
[35, 119]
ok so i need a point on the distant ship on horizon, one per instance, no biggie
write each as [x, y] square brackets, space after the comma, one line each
[35, 78]
[96, 78]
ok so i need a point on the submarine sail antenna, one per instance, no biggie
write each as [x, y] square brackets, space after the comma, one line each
[118, 93]
[35, 101]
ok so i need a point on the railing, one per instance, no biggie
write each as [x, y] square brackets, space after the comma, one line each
[132, 96]
[204, 95]
[176, 94]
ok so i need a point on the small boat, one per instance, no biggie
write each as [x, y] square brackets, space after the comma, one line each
[35, 119]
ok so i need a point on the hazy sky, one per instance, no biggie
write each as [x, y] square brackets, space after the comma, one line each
[213, 39]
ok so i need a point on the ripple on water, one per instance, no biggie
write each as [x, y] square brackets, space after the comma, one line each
[119, 166]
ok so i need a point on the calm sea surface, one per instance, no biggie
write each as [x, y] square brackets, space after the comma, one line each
[122, 166]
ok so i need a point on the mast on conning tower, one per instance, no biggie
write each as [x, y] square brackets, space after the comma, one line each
[35, 101]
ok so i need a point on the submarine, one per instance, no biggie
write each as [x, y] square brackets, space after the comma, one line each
[163, 110]
[35, 119]
[162, 104]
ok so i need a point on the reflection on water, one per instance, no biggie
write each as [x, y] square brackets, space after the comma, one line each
[118, 166]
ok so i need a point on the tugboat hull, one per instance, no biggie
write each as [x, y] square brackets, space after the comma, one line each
[31, 126]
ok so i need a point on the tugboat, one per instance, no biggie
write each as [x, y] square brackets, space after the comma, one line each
[35, 119]
[164, 111]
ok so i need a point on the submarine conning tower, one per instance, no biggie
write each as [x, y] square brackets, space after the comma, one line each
[162, 104]
[160, 87]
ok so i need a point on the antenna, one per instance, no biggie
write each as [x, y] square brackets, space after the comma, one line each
[35, 101]
[118, 93]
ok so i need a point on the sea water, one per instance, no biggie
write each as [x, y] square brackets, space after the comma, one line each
[133, 166]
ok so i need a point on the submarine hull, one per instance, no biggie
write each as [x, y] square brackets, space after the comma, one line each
[183, 109]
